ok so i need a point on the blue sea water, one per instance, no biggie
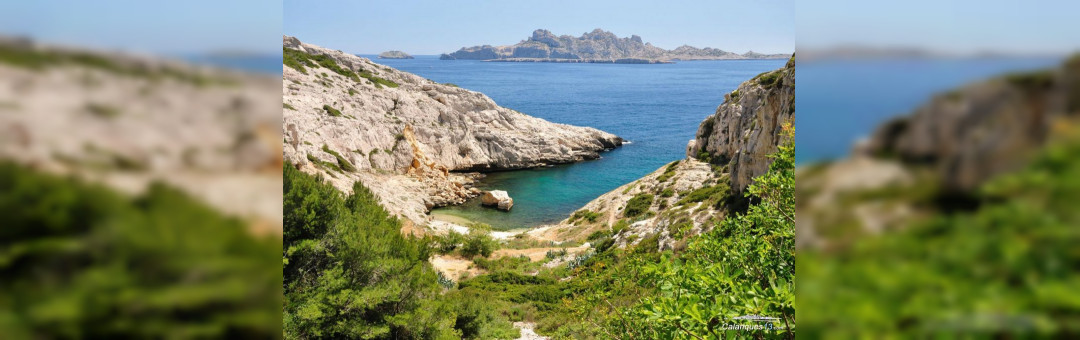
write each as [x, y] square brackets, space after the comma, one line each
[267, 64]
[841, 101]
[656, 107]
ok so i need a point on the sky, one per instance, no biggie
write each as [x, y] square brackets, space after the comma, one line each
[949, 26]
[425, 27]
[158, 27]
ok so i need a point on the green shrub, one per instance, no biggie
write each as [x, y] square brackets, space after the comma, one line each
[668, 192]
[342, 250]
[331, 111]
[770, 78]
[446, 244]
[479, 243]
[343, 163]
[295, 59]
[287, 106]
[638, 205]
[713, 194]
[668, 172]
[585, 214]
[619, 227]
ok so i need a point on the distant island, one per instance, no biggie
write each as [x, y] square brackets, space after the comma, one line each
[598, 46]
[394, 55]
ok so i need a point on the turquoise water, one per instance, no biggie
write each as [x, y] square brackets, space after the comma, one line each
[842, 101]
[656, 107]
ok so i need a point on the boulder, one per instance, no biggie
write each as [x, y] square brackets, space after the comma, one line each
[497, 198]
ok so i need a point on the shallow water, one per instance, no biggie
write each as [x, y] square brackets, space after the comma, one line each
[656, 107]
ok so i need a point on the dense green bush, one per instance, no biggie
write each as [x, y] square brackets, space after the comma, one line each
[638, 205]
[479, 243]
[349, 273]
[82, 261]
[711, 194]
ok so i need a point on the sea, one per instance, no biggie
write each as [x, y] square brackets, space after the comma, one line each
[657, 107]
[842, 101]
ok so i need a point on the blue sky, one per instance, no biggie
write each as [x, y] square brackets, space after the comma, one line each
[442, 26]
[951, 26]
[161, 27]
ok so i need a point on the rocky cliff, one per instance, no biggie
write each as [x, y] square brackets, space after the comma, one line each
[973, 133]
[409, 138]
[127, 121]
[395, 55]
[596, 46]
[746, 128]
[936, 158]
[688, 196]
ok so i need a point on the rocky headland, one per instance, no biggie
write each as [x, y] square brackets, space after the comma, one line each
[395, 55]
[598, 46]
[412, 141]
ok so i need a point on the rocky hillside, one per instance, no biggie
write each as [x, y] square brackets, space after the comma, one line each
[688, 196]
[973, 133]
[395, 55]
[936, 158]
[595, 46]
[746, 128]
[408, 138]
[127, 121]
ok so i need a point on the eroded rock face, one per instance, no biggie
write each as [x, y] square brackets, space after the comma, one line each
[746, 128]
[409, 138]
[595, 46]
[498, 199]
[976, 132]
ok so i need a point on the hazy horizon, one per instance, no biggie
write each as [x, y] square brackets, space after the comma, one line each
[433, 27]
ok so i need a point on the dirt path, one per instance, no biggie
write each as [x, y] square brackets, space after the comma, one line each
[537, 254]
[454, 267]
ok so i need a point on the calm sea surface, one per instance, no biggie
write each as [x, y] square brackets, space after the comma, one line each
[656, 107]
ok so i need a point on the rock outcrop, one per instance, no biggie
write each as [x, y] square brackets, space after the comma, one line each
[498, 199]
[976, 132]
[598, 46]
[407, 138]
[934, 159]
[746, 128]
[395, 55]
[127, 121]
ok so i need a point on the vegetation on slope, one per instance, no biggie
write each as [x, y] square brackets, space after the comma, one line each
[40, 59]
[82, 261]
[1005, 269]
[300, 61]
[349, 273]
[641, 293]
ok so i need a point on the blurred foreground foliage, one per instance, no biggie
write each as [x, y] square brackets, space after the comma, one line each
[82, 261]
[1004, 269]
